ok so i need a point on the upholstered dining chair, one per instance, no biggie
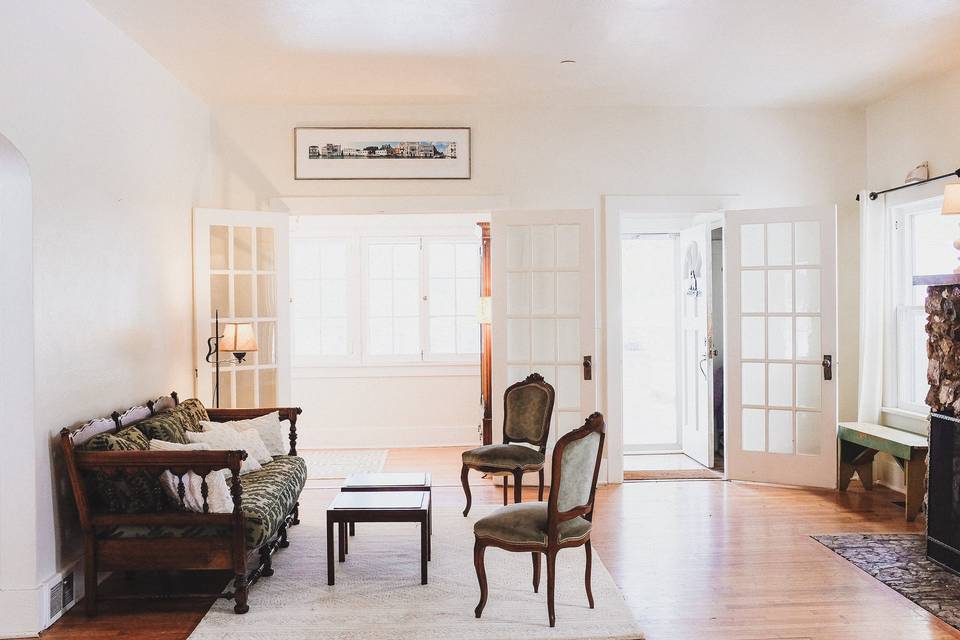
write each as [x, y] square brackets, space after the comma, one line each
[565, 520]
[527, 408]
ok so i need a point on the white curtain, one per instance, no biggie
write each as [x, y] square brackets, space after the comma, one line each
[874, 257]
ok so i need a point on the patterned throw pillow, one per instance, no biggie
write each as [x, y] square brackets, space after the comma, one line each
[191, 413]
[125, 491]
[167, 426]
[129, 439]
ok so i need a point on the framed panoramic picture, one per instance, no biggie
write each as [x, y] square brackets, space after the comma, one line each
[404, 153]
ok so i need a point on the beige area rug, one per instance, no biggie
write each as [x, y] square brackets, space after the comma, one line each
[323, 464]
[378, 595]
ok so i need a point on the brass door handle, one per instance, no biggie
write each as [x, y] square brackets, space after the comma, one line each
[588, 367]
[827, 365]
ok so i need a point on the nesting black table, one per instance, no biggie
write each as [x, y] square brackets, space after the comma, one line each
[377, 506]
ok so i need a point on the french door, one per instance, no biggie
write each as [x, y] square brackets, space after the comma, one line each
[544, 296]
[696, 366]
[780, 275]
[241, 271]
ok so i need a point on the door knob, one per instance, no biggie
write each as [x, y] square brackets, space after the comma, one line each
[588, 367]
[827, 367]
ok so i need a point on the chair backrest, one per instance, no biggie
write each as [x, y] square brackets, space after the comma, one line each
[527, 409]
[576, 465]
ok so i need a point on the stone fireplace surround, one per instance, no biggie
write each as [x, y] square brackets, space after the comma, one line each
[942, 504]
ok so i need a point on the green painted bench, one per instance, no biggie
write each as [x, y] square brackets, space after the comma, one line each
[860, 441]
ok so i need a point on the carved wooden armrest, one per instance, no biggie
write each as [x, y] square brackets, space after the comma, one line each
[179, 463]
[286, 413]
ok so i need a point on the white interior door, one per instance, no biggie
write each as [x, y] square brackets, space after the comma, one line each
[780, 268]
[696, 368]
[241, 269]
[544, 309]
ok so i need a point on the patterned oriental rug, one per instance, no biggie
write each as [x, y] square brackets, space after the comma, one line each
[900, 562]
[378, 595]
[323, 464]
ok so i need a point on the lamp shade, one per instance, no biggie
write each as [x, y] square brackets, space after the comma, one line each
[951, 200]
[238, 337]
[485, 311]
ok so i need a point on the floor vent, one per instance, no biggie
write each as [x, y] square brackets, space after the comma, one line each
[61, 595]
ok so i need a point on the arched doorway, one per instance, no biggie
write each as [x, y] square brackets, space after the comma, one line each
[19, 589]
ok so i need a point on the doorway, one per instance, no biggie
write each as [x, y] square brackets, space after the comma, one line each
[671, 292]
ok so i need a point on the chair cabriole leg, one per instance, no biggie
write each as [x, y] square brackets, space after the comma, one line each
[551, 583]
[536, 571]
[586, 575]
[478, 549]
[466, 488]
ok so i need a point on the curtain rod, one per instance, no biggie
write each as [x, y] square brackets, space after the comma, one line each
[874, 194]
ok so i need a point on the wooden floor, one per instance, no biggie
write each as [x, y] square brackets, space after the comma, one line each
[698, 559]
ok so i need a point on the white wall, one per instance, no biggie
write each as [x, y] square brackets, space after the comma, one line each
[568, 157]
[118, 154]
[915, 124]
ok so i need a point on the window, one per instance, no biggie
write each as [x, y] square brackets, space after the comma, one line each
[454, 295]
[361, 299]
[393, 298]
[321, 309]
[921, 238]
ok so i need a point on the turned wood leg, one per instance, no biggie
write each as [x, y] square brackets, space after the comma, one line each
[466, 488]
[284, 543]
[329, 549]
[518, 486]
[506, 484]
[265, 561]
[586, 575]
[551, 583]
[915, 470]
[90, 574]
[478, 549]
[540, 487]
[296, 514]
[536, 571]
[240, 593]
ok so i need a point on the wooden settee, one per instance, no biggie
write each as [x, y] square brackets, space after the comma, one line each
[168, 537]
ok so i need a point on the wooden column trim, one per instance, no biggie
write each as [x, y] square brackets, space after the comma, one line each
[486, 336]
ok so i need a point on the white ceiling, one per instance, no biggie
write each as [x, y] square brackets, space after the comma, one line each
[649, 52]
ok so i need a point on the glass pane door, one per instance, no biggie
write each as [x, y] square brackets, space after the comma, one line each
[242, 277]
[543, 309]
[781, 318]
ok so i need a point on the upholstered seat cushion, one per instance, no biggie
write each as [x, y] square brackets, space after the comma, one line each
[268, 496]
[526, 523]
[504, 456]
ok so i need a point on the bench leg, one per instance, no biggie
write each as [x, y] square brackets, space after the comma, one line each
[865, 471]
[915, 470]
[846, 475]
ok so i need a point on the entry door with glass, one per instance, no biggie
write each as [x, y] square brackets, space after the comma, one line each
[241, 273]
[543, 265]
[780, 276]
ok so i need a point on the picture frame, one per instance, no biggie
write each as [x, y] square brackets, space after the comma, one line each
[382, 153]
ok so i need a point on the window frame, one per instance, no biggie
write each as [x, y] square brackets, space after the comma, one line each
[902, 308]
[428, 356]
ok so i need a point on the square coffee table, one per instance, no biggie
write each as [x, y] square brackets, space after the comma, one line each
[378, 506]
[392, 481]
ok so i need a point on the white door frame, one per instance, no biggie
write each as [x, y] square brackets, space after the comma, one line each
[665, 212]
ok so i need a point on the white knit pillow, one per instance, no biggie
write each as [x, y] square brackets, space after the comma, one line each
[269, 427]
[219, 499]
[228, 440]
[252, 443]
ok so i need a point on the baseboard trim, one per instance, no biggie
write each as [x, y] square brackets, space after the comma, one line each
[21, 612]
